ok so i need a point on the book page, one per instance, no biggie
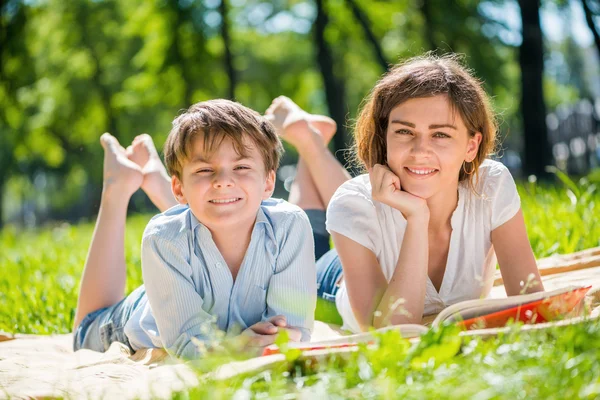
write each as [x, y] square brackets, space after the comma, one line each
[406, 330]
[474, 308]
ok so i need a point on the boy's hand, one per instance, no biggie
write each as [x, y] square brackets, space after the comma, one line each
[270, 326]
[264, 333]
[386, 188]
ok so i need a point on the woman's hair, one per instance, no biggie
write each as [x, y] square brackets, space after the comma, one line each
[418, 77]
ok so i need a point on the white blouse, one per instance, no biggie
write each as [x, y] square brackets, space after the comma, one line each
[471, 260]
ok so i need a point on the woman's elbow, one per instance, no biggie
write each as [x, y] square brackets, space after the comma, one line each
[379, 321]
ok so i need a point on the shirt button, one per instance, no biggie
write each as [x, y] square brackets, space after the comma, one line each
[218, 265]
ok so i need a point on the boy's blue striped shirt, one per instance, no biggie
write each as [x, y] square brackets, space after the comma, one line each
[188, 283]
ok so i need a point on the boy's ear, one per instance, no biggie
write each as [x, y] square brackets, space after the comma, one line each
[473, 147]
[177, 189]
[270, 185]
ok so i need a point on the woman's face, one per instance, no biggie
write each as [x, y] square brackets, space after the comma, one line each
[427, 143]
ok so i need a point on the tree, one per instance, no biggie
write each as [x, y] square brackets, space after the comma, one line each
[365, 24]
[429, 25]
[533, 106]
[334, 85]
[591, 8]
[71, 71]
[15, 69]
[223, 8]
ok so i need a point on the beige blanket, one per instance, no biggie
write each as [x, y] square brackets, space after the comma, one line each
[46, 366]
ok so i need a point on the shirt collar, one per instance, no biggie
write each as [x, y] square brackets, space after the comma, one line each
[456, 217]
[204, 233]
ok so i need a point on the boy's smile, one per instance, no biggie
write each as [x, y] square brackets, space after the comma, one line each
[225, 201]
[427, 143]
[224, 189]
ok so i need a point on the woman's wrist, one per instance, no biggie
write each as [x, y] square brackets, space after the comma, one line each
[418, 217]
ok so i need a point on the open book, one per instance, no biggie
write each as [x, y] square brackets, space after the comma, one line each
[474, 314]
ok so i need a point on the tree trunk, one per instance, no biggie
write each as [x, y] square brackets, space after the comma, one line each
[533, 107]
[364, 22]
[590, 21]
[3, 38]
[334, 87]
[426, 11]
[231, 73]
[6, 150]
[177, 55]
[2, 182]
[7, 166]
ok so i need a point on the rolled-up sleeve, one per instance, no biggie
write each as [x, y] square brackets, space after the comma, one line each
[293, 287]
[175, 303]
[502, 190]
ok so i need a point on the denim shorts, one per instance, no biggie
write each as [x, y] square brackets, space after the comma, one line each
[100, 328]
[329, 267]
[329, 271]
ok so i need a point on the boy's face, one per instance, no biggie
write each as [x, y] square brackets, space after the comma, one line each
[225, 189]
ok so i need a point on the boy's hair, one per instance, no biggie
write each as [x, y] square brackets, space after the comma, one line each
[216, 120]
[418, 77]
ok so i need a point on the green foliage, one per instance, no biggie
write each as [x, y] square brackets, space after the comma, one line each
[282, 342]
[73, 70]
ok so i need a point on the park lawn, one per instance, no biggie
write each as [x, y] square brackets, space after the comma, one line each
[40, 271]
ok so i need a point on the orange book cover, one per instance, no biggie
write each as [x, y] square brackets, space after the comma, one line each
[535, 312]
[530, 309]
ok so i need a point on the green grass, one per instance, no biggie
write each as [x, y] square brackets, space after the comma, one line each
[40, 272]
[562, 218]
[560, 363]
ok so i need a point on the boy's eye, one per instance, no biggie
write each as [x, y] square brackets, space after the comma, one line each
[441, 135]
[242, 167]
[204, 171]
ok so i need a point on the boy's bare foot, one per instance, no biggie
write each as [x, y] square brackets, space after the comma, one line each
[156, 183]
[292, 122]
[121, 176]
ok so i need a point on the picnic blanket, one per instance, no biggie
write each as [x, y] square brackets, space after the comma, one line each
[45, 366]
[35, 366]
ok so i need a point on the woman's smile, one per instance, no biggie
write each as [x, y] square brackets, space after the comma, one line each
[420, 173]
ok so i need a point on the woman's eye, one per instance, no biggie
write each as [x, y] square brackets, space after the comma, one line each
[441, 135]
[403, 132]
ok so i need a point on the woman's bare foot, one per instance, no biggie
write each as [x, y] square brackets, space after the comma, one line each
[156, 183]
[121, 176]
[292, 123]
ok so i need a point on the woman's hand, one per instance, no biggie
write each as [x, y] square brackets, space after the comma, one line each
[386, 188]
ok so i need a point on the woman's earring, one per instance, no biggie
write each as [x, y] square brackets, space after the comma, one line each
[465, 168]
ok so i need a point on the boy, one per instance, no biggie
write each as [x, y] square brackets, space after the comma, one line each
[227, 257]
